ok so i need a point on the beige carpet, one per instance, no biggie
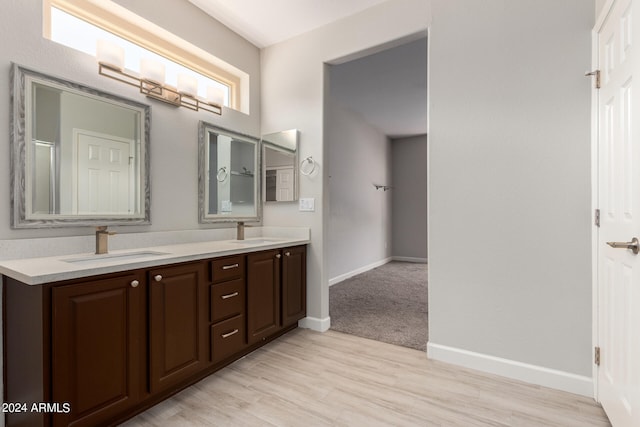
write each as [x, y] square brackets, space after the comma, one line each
[387, 304]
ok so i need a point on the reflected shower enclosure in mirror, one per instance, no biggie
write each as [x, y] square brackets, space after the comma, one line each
[280, 166]
[228, 180]
[79, 156]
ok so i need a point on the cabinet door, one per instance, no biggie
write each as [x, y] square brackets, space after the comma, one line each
[178, 307]
[263, 295]
[97, 348]
[294, 286]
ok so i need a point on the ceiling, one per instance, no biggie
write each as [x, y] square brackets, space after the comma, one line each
[387, 89]
[267, 22]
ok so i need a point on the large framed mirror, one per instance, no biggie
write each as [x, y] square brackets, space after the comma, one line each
[229, 181]
[79, 156]
[280, 166]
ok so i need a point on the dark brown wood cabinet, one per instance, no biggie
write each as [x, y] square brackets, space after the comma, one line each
[113, 345]
[276, 291]
[178, 314]
[98, 348]
[263, 295]
[294, 285]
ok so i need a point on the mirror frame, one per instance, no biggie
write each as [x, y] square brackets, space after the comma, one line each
[266, 143]
[203, 216]
[20, 77]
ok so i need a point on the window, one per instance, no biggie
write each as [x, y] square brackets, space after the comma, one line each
[79, 24]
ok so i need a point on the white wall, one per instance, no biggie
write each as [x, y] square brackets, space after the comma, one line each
[174, 132]
[409, 198]
[359, 223]
[293, 96]
[509, 194]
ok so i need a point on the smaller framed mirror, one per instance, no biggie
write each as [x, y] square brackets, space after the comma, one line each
[280, 166]
[228, 178]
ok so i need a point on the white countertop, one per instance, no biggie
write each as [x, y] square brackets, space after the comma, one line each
[36, 271]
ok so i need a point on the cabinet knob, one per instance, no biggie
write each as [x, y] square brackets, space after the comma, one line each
[134, 283]
[158, 277]
[287, 253]
[278, 255]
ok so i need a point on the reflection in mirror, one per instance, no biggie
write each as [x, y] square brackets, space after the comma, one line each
[228, 178]
[280, 166]
[80, 156]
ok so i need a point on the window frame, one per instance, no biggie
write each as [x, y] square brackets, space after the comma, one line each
[127, 25]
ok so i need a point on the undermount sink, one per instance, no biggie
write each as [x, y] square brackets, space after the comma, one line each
[100, 258]
[255, 241]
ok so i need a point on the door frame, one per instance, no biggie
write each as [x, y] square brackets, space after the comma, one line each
[595, 201]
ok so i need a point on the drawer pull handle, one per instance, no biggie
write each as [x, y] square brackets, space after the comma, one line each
[134, 284]
[235, 294]
[229, 267]
[227, 335]
[158, 278]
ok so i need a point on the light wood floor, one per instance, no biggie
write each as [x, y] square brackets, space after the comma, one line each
[310, 379]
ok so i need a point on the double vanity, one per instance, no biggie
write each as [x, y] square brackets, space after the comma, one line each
[113, 334]
[92, 339]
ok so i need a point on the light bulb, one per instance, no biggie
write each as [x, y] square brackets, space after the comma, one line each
[152, 70]
[187, 84]
[215, 95]
[110, 54]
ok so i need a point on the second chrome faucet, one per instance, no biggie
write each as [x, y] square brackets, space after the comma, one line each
[102, 239]
[240, 231]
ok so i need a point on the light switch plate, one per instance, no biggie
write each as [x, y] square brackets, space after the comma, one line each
[307, 205]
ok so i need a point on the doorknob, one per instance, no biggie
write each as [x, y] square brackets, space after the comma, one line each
[634, 245]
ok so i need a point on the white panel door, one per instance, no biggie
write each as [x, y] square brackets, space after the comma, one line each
[103, 184]
[284, 184]
[619, 200]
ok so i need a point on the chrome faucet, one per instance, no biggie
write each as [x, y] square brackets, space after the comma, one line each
[240, 231]
[102, 239]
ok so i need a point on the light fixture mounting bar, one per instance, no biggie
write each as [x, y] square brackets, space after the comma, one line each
[158, 91]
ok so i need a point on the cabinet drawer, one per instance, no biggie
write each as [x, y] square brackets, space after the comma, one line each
[227, 299]
[227, 338]
[227, 268]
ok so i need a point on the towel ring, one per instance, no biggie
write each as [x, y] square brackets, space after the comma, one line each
[222, 174]
[308, 160]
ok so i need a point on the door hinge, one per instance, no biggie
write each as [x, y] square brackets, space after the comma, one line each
[596, 356]
[596, 219]
[595, 73]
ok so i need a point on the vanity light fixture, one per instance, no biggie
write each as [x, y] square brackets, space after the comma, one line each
[151, 81]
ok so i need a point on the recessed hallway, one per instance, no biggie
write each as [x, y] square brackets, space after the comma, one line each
[388, 304]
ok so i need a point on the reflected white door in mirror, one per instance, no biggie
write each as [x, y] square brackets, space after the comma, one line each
[280, 166]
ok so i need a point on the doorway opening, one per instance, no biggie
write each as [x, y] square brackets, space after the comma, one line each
[375, 133]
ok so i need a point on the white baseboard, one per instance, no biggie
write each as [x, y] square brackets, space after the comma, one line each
[533, 374]
[409, 259]
[315, 324]
[357, 271]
